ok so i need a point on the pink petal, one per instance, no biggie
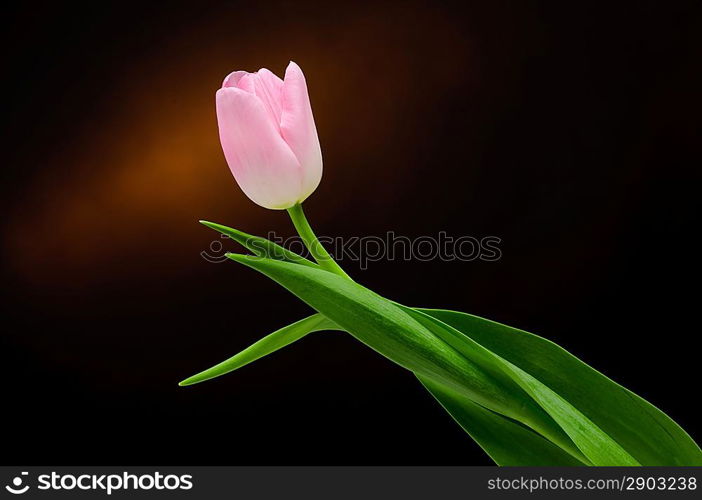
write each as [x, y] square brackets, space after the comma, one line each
[232, 79]
[246, 82]
[269, 88]
[298, 129]
[262, 163]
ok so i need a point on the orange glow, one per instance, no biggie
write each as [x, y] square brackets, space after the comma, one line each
[127, 194]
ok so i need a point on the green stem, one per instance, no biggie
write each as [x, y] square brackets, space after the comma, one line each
[312, 243]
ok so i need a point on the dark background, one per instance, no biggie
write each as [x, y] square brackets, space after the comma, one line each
[567, 129]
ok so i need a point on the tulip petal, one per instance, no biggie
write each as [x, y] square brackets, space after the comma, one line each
[233, 78]
[269, 89]
[298, 129]
[263, 164]
[246, 82]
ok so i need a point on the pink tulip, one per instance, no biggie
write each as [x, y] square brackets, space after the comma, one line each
[268, 136]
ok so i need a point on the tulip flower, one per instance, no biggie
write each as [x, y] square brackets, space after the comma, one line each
[522, 398]
[269, 137]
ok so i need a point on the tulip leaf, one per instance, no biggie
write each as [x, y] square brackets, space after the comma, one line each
[380, 324]
[261, 247]
[506, 441]
[391, 331]
[524, 399]
[595, 444]
[645, 432]
[276, 340]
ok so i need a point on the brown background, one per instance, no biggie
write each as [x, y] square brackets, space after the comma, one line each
[568, 129]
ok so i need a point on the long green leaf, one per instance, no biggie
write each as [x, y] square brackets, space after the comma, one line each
[610, 424]
[265, 346]
[594, 443]
[395, 334]
[506, 441]
[645, 432]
